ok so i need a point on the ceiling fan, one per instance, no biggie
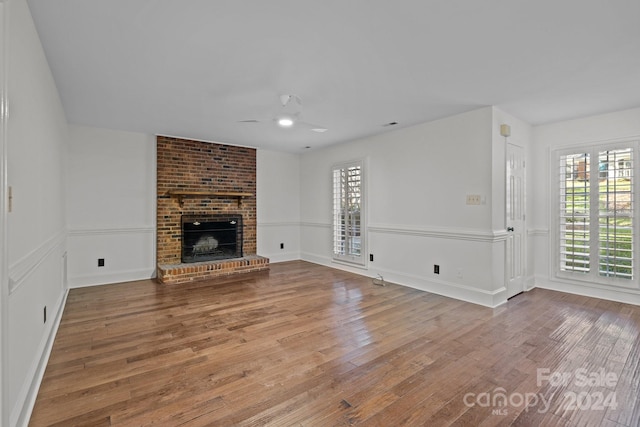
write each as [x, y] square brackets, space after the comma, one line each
[290, 114]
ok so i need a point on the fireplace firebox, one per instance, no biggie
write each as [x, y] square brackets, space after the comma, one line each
[211, 237]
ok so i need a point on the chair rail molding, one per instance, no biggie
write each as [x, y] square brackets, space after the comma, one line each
[315, 224]
[19, 271]
[86, 231]
[442, 233]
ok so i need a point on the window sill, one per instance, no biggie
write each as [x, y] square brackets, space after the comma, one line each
[357, 264]
[589, 280]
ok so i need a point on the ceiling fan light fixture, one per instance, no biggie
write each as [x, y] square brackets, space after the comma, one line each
[285, 122]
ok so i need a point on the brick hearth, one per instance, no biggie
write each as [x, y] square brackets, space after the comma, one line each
[181, 273]
[192, 167]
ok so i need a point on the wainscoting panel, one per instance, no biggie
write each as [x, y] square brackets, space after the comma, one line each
[272, 234]
[466, 259]
[128, 254]
[20, 271]
[37, 284]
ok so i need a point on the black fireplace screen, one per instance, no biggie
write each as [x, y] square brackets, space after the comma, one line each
[211, 237]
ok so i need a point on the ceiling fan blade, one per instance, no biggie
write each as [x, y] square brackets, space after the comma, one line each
[289, 115]
[294, 100]
[311, 126]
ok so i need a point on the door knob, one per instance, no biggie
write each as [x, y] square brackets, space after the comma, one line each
[509, 228]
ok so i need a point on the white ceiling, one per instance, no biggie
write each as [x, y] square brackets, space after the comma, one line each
[194, 68]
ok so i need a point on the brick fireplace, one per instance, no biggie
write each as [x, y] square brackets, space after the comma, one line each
[199, 179]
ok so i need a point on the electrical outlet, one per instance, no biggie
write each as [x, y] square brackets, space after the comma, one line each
[281, 245]
[474, 199]
[436, 269]
[45, 314]
[371, 257]
[100, 262]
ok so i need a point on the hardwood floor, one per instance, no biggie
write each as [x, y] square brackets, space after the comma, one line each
[312, 346]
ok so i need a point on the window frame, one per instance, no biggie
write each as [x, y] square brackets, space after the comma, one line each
[594, 276]
[350, 259]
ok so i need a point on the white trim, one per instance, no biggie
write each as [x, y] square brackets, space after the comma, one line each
[529, 283]
[282, 257]
[524, 245]
[154, 208]
[95, 279]
[23, 268]
[445, 288]
[333, 263]
[276, 257]
[589, 289]
[279, 224]
[589, 145]
[349, 265]
[435, 232]
[29, 390]
[316, 225]
[592, 277]
[441, 287]
[110, 278]
[442, 233]
[317, 259]
[110, 231]
[363, 165]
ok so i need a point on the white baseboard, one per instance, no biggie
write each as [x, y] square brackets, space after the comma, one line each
[282, 257]
[457, 291]
[490, 299]
[594, 291]
[109, 278]
[316, 259]
[529, 283]
[29, 392]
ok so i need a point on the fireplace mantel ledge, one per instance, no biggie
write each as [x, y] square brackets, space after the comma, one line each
[182, 194]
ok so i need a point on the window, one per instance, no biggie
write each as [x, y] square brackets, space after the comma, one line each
[348, 213]
[596, 214]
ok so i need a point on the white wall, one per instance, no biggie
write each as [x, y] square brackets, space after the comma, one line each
[111, 199]
[417, 180]
[36, 240]
[278, 204]
[600, 128]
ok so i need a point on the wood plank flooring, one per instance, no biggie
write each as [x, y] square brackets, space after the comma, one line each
[306, 345]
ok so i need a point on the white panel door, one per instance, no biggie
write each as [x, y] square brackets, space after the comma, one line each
[515, 262]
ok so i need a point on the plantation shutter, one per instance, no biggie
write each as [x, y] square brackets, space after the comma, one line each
[596, 213]
[615, 213]
[347, 213]
[575, 197]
